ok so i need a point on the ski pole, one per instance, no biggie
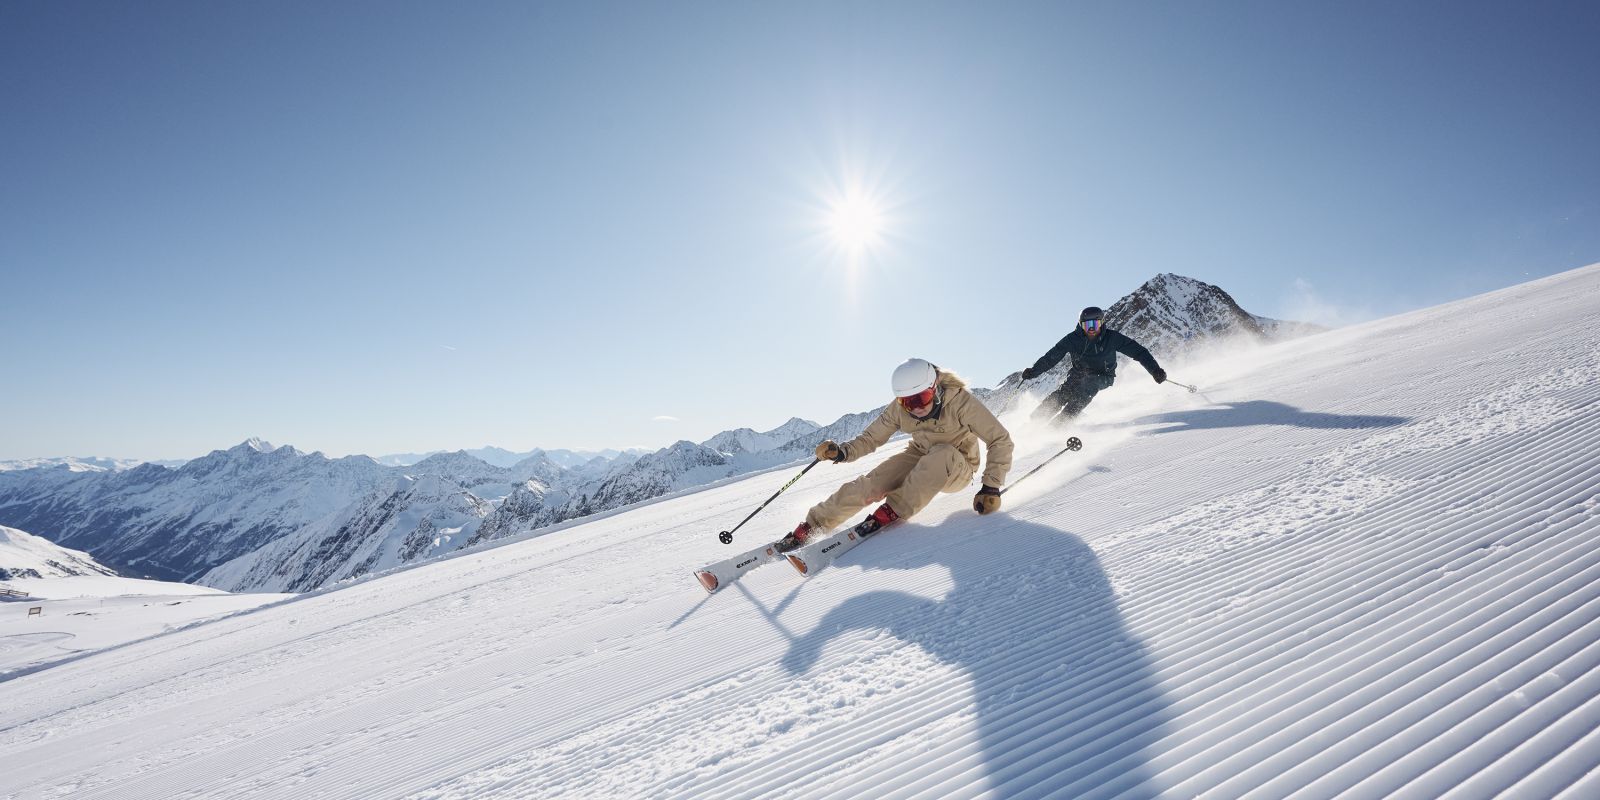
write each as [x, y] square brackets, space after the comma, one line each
[726, 537]
[1191, 389]
[1072, 444]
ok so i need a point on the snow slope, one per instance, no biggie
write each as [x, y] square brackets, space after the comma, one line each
[85, 613]
[23, 555]
[1365, 563]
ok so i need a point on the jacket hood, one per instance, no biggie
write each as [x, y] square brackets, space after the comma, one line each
[950, 380]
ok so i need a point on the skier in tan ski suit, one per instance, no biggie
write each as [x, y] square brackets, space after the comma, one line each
[945, 422]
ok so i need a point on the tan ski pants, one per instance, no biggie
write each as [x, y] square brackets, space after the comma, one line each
[907, 480]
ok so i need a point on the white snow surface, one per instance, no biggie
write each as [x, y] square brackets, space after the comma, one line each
[85, 613]
[1365, 563]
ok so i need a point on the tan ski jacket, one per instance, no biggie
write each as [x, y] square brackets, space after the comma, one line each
[960, 420]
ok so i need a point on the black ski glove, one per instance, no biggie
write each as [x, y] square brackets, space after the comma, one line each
[987, 500]
[1027, 373]
[1159, 374]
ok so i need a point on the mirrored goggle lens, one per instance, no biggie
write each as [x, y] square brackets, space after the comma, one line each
[921, 399]
[1091, 324]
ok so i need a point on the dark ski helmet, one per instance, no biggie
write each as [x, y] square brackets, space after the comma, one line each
[1092, 320]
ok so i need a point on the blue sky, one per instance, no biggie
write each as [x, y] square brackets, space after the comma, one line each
[382, 227]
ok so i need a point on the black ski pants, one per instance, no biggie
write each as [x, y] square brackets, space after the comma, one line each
[1072, 396]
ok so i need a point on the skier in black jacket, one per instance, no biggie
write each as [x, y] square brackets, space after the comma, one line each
[1094, 349]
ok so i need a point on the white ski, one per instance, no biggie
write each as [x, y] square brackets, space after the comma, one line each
[717, 575]
[813, 557]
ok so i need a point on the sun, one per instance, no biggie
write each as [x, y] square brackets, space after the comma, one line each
[854, 216]
[856, 222]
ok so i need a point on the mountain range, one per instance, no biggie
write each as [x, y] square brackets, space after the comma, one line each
[501, 457]
[257, 517]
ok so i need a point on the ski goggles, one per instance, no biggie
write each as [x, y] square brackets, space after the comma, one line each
[920, 400]
[1091, 325]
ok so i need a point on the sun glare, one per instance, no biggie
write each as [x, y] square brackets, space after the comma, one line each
[855, 218]
[855, 222]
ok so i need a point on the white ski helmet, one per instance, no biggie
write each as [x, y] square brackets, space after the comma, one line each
[913, 377]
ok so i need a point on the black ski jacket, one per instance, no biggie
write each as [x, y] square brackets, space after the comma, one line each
[1097, 355]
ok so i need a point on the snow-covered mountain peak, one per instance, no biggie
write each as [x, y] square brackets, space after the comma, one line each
[745, 440]
[1180, 288]
[251, 455]
[459, 462]
[498, 456]
[520, 511]
[537, 458]
[678, 454]
[1170, 310]
[538, 466]
[737, 440]
[254, 449]
[794, 427]
[430, 487]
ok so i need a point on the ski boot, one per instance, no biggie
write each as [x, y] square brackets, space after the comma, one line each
[881, 518]
[802, 534]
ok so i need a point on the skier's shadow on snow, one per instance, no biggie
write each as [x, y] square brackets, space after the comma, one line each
[1263, 412]
[1064, 696]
